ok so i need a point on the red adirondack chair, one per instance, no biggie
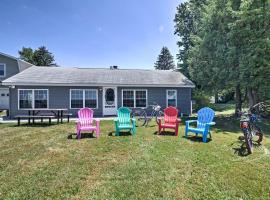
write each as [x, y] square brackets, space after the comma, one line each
[170, 120]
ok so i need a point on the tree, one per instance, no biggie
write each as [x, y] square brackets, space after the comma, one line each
[228, 48]
[187, 21]
[39, 57]
[165, 60]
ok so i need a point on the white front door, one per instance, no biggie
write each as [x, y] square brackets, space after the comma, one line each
[109, 100]
[4, 99]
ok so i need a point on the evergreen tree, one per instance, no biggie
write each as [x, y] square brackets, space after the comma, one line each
[187, 21]
[165, 60]
[39, 57]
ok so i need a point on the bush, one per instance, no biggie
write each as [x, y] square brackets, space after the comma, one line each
[201, 99]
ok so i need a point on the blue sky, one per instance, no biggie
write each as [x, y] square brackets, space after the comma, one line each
[91, 33]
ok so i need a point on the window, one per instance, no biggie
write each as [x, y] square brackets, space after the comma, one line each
[2, 70]
[77, 99]
[83, 98]
[134, 98]
[41, 97]
[128, 98]
[33, 99]
[141, 99]
[172, 98]
[91, 98]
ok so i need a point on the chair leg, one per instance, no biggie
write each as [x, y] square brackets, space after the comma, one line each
[186, 132]
[78, 134]
[159, 130]
[176, 131]
[204, 137]
[116, 132]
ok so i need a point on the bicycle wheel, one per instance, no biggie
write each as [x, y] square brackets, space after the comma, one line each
[248, 141]
[159, 115]
[140, 117]
[258, 136]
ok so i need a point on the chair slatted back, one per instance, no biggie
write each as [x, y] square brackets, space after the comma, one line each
[86, 116]
[123, 115]
[170, 115]
[205, 115]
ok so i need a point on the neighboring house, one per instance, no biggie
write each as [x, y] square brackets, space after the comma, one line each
[104, 90]
[9, 66]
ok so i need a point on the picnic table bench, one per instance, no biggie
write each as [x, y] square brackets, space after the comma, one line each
[33, 114]
[33, 117]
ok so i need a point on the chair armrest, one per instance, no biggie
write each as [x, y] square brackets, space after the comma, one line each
[133, 120]
[191, 121]
[177, 121]
[160, 119]
[211, 123]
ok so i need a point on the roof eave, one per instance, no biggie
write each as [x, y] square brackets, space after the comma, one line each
[94, 84]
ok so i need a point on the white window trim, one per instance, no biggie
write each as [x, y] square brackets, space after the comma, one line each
[83, 98]
[134, 97]
[5, 70]
[33, 100]
[168, 98]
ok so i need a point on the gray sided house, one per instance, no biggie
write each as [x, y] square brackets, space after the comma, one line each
[104, 90]
[9, 66]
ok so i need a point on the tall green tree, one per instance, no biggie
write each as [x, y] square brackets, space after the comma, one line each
[251, 30]
[187, 22]
[38, 57]
[165, 60]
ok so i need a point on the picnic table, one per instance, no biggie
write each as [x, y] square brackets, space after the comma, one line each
[41, 114]
[57, 112]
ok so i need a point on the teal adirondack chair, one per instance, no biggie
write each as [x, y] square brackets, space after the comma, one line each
[204, 122]
[124, 122]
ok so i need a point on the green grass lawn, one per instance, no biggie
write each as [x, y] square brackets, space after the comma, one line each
[47, 162]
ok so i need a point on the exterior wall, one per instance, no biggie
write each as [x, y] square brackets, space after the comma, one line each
[59, 97]
[11, 67]
[158, 95]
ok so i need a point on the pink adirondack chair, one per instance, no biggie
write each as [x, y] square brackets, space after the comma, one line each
[170, 120]
[85, 122]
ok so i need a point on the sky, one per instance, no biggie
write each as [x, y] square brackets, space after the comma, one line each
[91, 33]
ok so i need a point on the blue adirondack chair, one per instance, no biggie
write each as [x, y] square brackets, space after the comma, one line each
[205, 120]
[124, 122]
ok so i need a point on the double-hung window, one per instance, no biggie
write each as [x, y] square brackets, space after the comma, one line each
[171, 97]
[80, 98]
[33, 98]
[134, 98]
[2, 70]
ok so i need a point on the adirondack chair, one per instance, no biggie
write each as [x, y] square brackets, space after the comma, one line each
[124, 122]
[205, 120]
[170, 120]
[85, 122]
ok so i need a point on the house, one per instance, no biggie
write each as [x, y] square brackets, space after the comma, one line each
[9, 66]
[104, 90]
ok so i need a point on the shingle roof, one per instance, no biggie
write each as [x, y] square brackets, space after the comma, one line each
[98, 76]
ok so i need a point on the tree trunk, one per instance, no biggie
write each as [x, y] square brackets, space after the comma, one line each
[238, 99]
[253, 97]
[250, 97]
[216, 97]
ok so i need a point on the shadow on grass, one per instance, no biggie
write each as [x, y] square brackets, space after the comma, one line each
[165, 133]
[242, 150]
[195, 138]
[122, 133]
[73, 136]
[34, 125]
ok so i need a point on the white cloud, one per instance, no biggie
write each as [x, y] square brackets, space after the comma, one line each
[161, 28]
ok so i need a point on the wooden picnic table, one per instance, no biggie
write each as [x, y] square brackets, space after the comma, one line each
[58, 113]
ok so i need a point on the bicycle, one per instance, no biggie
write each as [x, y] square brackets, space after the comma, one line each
[250, 128]
[141, 117]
